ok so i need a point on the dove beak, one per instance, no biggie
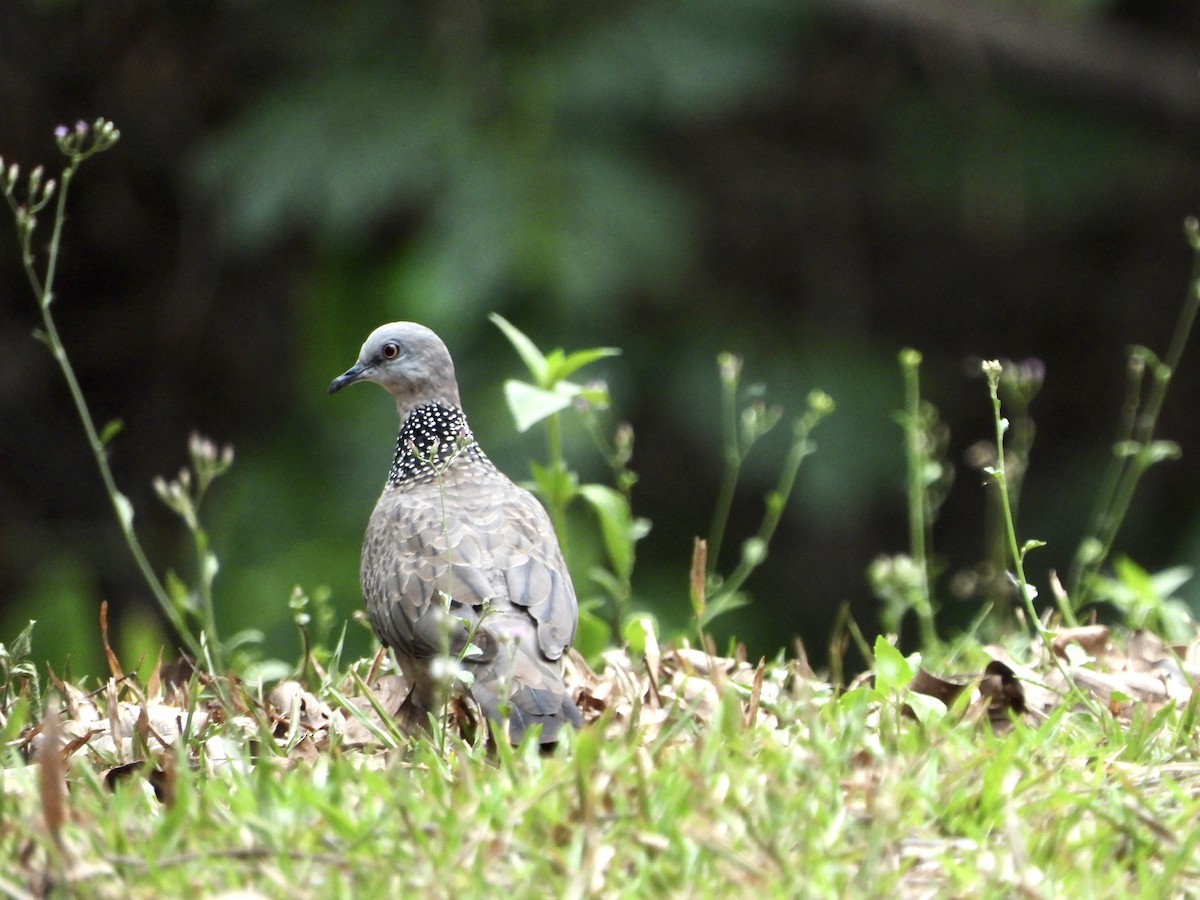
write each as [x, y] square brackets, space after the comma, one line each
[357, 372]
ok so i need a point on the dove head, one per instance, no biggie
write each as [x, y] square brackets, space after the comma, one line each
[410, 362]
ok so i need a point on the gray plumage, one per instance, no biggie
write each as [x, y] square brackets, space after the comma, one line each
[456, 554]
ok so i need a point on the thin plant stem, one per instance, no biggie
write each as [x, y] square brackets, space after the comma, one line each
[1091, 547]
[918, 519]
[1138, 451]
[819, 406]
[992, 371]
[44, 291]
[730, 368]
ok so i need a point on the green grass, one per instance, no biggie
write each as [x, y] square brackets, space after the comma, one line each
[672, 792]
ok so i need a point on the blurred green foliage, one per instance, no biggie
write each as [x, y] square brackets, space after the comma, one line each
[513, 134]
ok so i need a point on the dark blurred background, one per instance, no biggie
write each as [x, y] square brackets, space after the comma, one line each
[813, 185]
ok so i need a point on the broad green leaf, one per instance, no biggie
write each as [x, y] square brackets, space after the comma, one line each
[593, 635]
[637, 631]
[534, 360]
[530, 404]
[925, 708]
[266, 670]
[616, 524]
[557, 485]
[1160, 585]
[561, 367]
[1168, 581]
[892, 670]
[607, 580]
[1132, 575]
[247, 637]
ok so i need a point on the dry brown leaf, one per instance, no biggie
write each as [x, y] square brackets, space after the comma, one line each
[1094, 639]
[52, 773]
[1135, 686]
[113, 710]
[177, 676]
[160, 779]
[925, 682]
[1003, 690]
[114, 666]
[755, 693]
[154, 680]
[290, 703]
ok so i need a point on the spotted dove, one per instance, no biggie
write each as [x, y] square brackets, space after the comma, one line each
[458, 561]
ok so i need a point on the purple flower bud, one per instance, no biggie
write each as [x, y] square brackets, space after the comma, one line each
[81, 127]
[60, 132]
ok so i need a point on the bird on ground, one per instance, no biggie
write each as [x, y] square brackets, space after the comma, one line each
[459, 564]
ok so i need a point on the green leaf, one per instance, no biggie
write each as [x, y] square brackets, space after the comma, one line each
[534, 360]
[586, 749]
[177, 590]
[925, 708]
[111, 430]
[1168, 581]
[722, 604]
[857, 700]
[23, 644]
[1032, 544]
[266, 670]
[247, 637]
[529, 404]
[1076, 655]
[595, 394]
[616, 525]
[636, 630]
[17, 716]
[607, 580]
[1163, 451]
[592, 636]
[892, 670]
[561, 367]
[557, 486]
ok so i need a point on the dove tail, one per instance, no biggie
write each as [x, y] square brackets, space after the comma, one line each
[531, 693]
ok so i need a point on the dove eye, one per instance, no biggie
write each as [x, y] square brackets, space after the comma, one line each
[390, 350]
